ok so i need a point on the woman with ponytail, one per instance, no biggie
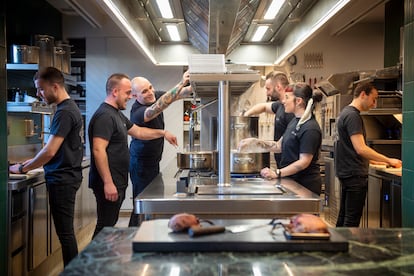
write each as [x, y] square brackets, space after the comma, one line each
[301, 142]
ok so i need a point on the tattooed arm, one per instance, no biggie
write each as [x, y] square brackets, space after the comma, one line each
[180, 91]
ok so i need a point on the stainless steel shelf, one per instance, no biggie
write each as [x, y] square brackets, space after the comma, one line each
[383, 141]
[206, 85]
[382, 111]
[21, 66]
[19, 107]
[69, 79]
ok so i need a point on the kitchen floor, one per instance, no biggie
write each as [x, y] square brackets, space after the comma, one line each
[123, 219]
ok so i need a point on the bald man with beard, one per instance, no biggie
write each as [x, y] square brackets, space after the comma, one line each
[146, 111]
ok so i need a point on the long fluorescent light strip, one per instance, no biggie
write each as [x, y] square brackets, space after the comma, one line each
[315, 27]
[128, 27]
[165, 8]
[173, 32]
[260, 31]
[273, 9]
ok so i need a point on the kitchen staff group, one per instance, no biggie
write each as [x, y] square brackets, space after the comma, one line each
[296, 145]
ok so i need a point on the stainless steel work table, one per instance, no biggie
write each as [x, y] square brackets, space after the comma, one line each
[160, 199]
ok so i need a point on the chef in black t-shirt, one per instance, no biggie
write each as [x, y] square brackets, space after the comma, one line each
[146, 111]
[275, 86]
[301, 142]
[61, 157]
[108, 138]
[352, 155]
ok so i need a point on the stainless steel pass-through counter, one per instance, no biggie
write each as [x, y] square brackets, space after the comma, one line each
[244, 198]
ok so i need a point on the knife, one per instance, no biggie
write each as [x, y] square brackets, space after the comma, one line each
[198, 230]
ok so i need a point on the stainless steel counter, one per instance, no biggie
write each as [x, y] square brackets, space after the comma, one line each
[160, 199]
[31, 231]
[17, 182]
[25, 180]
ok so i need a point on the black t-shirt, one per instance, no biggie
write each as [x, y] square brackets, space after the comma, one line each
[112, 125]
[65, 166]
[148, 151]
[347, 161]
[307, 140]
[282, 119]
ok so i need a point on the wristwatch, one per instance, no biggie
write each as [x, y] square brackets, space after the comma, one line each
[278, 173]
[21, 168]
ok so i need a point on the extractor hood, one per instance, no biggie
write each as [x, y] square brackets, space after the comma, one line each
[220, 27]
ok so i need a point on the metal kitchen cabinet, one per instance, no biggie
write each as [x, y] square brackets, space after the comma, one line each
[391, 203]
[43, 240]
[371, 216]
[332, 191]
[38, 225]
[17, 229]
[383, 203]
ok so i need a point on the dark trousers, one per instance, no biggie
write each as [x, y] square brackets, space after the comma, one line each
[107, 211]
[141, 176]
[353, 194]
[62, 205]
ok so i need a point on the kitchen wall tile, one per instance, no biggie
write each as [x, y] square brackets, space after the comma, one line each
[408, 55]
[408, 96]
[407, 212]
[408, 115]
[408, 190]
[407, 151]
[408, 128]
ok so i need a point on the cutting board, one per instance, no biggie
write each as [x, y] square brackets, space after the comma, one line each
[155, 236]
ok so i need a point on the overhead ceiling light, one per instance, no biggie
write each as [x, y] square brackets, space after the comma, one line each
[165, 8]
[273, 9]
[173, 32]
[300, 40]
[260, 31]
[127, 26]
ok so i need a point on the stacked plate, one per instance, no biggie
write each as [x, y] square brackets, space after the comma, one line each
[206, 63]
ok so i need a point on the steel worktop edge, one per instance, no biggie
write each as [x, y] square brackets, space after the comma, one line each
[160, 198]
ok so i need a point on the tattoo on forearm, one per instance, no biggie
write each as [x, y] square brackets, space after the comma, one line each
[173, 92]
[163, 102]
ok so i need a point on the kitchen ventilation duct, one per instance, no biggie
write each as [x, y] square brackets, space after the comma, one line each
[219, 27]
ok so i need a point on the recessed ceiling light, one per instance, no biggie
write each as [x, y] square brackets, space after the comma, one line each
[260, 31]
[273, 9]
[165, 8]
[173, 32]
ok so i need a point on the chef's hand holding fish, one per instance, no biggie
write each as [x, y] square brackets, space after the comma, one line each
[258, 145]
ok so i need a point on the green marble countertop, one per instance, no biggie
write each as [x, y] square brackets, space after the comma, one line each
[371, 252]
